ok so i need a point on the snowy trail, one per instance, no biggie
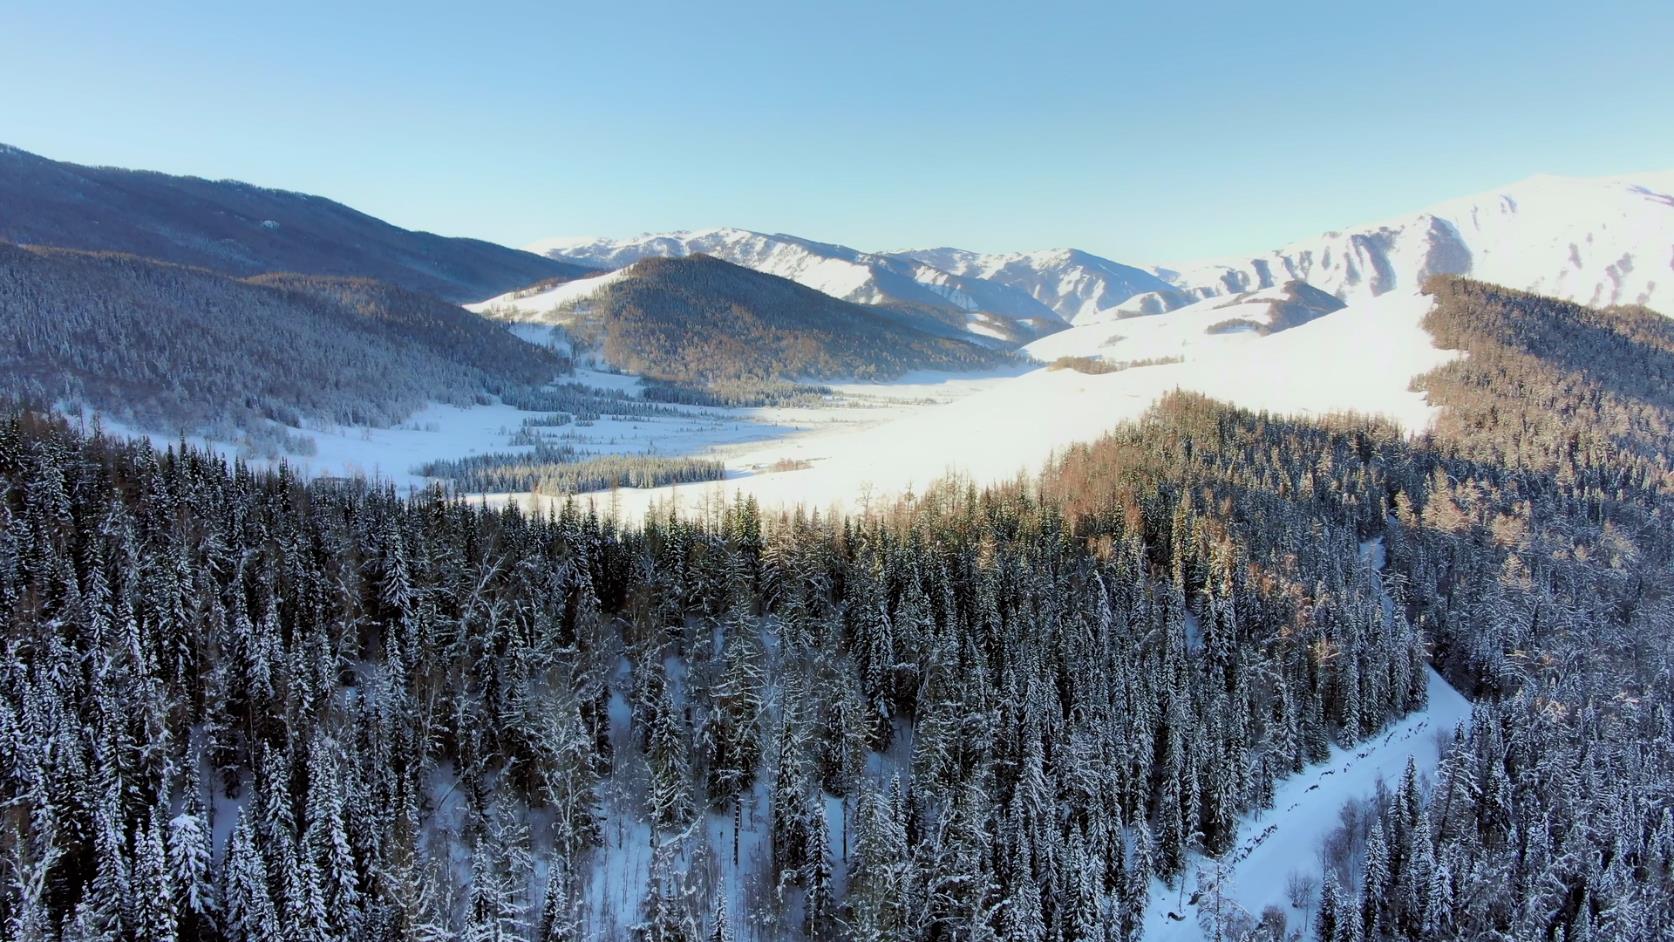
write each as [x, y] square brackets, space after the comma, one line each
[1287, 838]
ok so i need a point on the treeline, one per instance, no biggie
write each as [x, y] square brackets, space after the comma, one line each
[171, 348]
[1550, 385]
[558, 470]
[737, 394]
[1098, 366]
[699, 320]
[585, 403]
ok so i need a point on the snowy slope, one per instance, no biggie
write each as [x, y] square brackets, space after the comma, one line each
[1213, 324]
[985, 308]
[541, 304]
[1596, 241]
[1081, 287]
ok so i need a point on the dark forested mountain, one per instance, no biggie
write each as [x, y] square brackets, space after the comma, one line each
[240, 229]
[172, 347]
[699, 319]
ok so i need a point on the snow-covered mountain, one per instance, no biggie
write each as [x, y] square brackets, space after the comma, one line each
[1080, 286]
[983, 307]
[1595, 241]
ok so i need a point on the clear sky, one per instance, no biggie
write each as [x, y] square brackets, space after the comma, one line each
[1148, 133]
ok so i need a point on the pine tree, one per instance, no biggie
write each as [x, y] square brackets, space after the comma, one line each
[880, 874]
[818, 904]
[1328, 927]
[719, 931]
[250, 914]
[154, 912]
[558, 920]
[670, 797]
[189, 861]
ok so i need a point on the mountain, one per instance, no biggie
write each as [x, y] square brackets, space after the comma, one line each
[1080, 287]
[240, 229]
[1271, 310]
[1597, 241]
[172, 347]
[697, 318]
[983, 308]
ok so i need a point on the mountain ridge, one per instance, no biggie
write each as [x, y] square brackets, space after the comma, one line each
[243, 229]
[1594, 240]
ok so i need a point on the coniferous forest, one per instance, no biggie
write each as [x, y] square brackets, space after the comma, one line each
[237, 705]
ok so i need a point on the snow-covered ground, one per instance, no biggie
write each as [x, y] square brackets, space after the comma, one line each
[994, 427]
[440, 431]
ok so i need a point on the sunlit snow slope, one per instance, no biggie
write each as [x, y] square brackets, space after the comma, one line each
[1596, 241]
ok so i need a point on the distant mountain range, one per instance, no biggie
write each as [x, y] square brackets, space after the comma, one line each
[981, 307]
[1595, 241]
[238, 229]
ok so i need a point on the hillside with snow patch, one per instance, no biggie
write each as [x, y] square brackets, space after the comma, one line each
[547, 302]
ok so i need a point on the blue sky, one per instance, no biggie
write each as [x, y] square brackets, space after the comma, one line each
[1142, 133]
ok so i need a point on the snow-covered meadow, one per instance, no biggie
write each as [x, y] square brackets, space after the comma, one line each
[884, 441]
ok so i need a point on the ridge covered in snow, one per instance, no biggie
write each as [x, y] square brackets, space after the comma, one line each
[1080, 286]
[1599, 242]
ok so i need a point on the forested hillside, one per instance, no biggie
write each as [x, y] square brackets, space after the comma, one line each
[238, 706]
[1588, 389]
[239, 229]
[701, 320]
[172, 348]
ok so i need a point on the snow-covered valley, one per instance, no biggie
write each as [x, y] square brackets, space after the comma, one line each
[885, 440]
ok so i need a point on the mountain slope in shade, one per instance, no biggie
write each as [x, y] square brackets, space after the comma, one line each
[1080, 287]
[1594, 241]
[981, 307]
[697, 318]
[240, 229]
[172, 347]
